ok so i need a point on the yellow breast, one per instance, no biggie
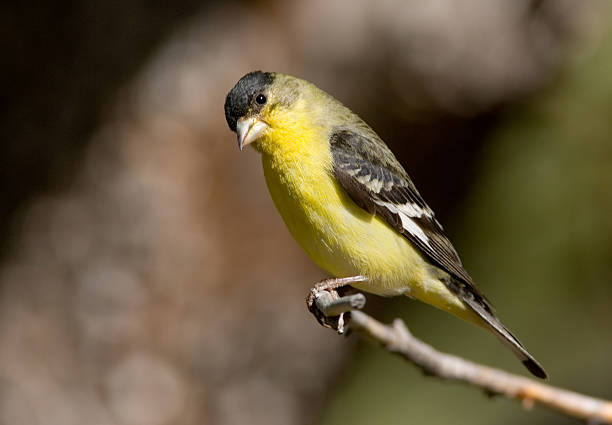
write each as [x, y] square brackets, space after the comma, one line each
[338, 235]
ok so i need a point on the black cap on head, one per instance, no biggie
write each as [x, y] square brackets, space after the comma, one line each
[239, 98]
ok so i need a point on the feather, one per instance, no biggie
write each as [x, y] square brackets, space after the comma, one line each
[381, 186]
[389, 193]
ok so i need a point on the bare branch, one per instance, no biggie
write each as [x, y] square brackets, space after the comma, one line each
[397, 339]
[330, 306]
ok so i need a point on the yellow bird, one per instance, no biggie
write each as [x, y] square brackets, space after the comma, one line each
[350, 204]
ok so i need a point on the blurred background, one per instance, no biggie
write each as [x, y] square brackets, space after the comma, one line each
[146, 278]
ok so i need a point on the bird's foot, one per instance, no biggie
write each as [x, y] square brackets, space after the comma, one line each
[330, 308]
[330, 285]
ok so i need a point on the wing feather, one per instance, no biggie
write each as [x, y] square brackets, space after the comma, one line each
[374, 179]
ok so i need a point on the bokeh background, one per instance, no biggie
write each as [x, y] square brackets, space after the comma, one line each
[146, 278]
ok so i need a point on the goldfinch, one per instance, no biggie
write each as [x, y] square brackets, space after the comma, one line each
[350, 204]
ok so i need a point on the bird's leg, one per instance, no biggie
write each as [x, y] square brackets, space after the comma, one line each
[328, 307]
[331, 285]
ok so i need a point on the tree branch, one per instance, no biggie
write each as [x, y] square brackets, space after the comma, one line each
[397, 339]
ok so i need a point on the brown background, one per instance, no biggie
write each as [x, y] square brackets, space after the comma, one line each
[146, 277]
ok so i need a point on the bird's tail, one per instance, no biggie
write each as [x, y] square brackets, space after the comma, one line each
[505, 336]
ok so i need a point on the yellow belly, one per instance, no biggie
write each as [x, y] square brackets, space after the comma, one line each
[345, 240]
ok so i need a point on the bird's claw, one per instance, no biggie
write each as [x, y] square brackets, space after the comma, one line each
[330, 309]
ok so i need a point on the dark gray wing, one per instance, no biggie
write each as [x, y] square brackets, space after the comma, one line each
[375, 180]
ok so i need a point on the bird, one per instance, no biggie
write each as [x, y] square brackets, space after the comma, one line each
[350, 204]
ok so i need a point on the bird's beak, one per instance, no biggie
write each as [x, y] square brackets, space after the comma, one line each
[249, 130]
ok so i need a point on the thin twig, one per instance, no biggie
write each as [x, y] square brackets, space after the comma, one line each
[397, 339]
[330, 306]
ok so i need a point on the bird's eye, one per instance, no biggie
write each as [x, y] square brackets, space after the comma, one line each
[261, 99]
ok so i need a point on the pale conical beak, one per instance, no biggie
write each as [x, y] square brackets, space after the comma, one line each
[249, 130]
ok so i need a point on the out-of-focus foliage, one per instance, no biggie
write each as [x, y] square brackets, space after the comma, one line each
[156, 284]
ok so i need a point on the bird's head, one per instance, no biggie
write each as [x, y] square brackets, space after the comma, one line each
[247, 105]
[266, 107]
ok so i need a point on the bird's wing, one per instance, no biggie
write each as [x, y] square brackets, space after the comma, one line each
[367, 170]
[374, 179]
